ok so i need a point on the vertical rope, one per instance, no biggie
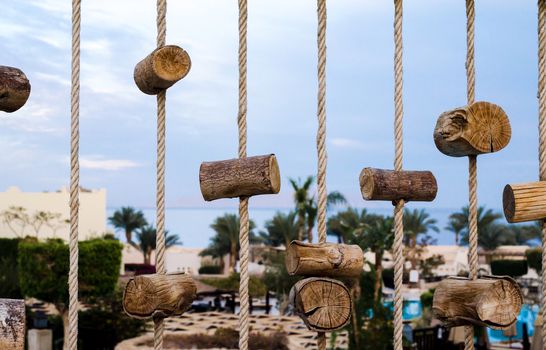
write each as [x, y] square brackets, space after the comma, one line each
[244, 324]
[160, 184]
[472, 164]
[398, 153]
[74, 178]
[542, 139]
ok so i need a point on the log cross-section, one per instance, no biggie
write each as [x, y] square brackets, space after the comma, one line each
[324, 259]
[491, 301]
[12, 324]
[324, 304]
[14, 89]
[158, 295]
[391, 185]
[240, 177]
[524, 202]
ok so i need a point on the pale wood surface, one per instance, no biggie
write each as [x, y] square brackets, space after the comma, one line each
[381, 184]
[161, 69]
[482, 127]
[14, 89]
[324, 304]
[158, 295]
[240, 177]
[524, 202]
[12, 324]
[490, 301]
[324, 259]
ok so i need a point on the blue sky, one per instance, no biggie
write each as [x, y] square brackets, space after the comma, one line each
[118, 122]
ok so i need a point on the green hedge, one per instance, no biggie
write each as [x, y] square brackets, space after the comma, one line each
[9, 281]
[210, 270]
[534, 259]
[512, 268]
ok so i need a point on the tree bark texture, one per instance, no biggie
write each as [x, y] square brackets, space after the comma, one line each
[14, 89]
[240, 177]
[391, 185]
[158, 295]
[324, 259]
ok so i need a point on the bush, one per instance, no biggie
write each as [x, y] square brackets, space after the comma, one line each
[210, 270]
[534, 259]
[427, 298]
[9, 281]
[512, 268]
[256, 286]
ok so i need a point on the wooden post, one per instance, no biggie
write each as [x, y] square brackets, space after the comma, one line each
[490, 301]
[12, 324]
[324, 304]
[14, 89]
[482, 127]
[240, 177]
[524, 202]
[379, 184]
[158, 295]
[324, 259]
[161, 69]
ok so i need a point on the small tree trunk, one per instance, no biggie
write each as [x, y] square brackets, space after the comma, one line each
[63, 310]
[147, 257]
[310, 234]
[378, 275]
[301, 228]
[232, 259]
[355, 292]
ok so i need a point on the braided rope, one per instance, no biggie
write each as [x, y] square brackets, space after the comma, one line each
[398, 247]
[160, 184]
[472, 164]
[542, 139]
[244, 322]
[74, 178]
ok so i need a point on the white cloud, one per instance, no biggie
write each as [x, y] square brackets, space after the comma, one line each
[347, 143]
[99, 163]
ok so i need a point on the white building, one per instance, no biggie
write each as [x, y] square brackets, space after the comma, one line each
[55, 208]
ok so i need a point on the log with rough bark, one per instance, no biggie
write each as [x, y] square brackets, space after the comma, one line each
[158, 295]
[380, 184]
[12, 324]
[161, 69]
[14, 89]
[524, 202]
[492, 301]
[324, 304]
[481, 127]
[240, 177]
[324, 259]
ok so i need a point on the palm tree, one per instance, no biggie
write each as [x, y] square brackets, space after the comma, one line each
[129, 220]
[344, 223]
[456, 227]
[226, 240]
[416, 222]
[146, 237]
[301, 200]
[282, 229]
[489, 231]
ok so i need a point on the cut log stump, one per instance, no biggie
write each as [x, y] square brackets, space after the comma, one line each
[161, 69]
[14, 89]
[490, 301]
[158, 295]
[240, 177]
[12, 324]
[380, 184]
[524, 202]
[324, 304]
[481, 127]
[324, 259]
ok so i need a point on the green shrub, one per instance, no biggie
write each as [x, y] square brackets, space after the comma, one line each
[534, 259]
[210, 270]
[512, 268]
[9, 281]
[255, 286]
[426, 298]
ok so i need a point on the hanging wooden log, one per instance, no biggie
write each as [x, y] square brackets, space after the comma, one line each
[161, 69]
[324, 304]
[490, 301]
[14, 89]
[524, 202]
[158, 295]
[12, 324]
[481, 127]
[240, 177]
[391, 185]
[324, 259]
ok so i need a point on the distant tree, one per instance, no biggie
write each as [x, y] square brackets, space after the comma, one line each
[344, 223]
[456, 226]
[16, 219]
[490, 233]
[301, 201]
[281, 230]
[146, 237]
[128, 219]
[417, 223]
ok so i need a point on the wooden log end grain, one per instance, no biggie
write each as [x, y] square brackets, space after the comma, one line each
[161, 69]
[324, 304]
[158, 295]
[491, 301]
[324, 259]
[12, 324]
[524, 202]
[481, 127]
[391, 185]
[240, 177]
[14, 89]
